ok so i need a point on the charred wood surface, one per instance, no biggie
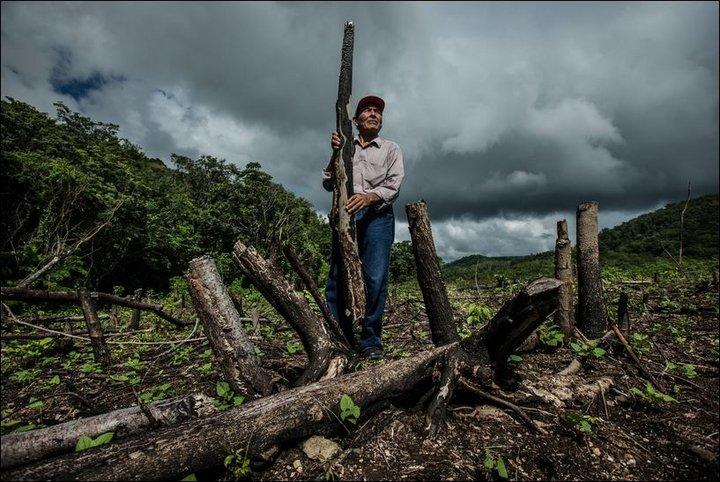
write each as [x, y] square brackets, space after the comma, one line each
[23, 448]
[324, 352]
[174, 452]
[100, 349]
[563, 272]
[432, 285]
[234, 352]
[592, 315]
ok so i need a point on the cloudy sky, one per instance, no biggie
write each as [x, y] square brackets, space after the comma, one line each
[508, 114]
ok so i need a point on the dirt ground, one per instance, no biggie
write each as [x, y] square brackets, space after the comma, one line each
[595, 425]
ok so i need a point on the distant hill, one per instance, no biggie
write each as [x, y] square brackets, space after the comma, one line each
[643, 238]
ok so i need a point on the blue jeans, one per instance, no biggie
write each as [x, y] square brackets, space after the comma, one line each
[375, 235]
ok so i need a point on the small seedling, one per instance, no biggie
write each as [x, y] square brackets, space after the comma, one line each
[348, 410]
[551, 335]
[640, 343]
[85, 442]
[514, 359]
[293, 348]
[159, 392]
[491, 463]
[587, 349]
[583, 423]
[226, 397]
[651, 395]
[238, 464]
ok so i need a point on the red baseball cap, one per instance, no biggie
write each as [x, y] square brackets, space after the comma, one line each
[370, 100]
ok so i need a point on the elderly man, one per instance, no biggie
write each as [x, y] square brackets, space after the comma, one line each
[377, 174]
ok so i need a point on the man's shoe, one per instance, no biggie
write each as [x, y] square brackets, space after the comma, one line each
[372, 353]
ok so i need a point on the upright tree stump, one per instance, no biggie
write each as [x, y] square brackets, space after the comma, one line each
[563, 272]
[221, 323]
[592, 315]
[135, 316]
[437, 304]
[97, 340]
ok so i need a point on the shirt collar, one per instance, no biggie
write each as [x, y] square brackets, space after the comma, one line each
[378, 141]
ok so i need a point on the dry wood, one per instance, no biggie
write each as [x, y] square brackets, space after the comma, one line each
[563, 272]
[23, 448]
[326, 355]
[97, 340]
[432, 285]
[234, 352]
[134, 323]
[310, 285]
[351, 283]
[592, 315]
[24, 294]
[623, 314]
[259, 427]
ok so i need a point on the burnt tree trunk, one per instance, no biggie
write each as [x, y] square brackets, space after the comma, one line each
[437, 304]
[222, 325]
[563, 272]
[309, 283]
[352, 284]
[26, 447]
[623, 314]
[135, 316]
[99, 347]
[325, 353]
[174, 452]
[592, 315]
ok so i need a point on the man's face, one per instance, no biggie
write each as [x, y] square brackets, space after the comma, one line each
[369, 120]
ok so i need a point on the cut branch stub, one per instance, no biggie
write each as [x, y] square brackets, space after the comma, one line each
[319, 345]
[222, 325]
[592, 315]
[99, 347]
[437, 304]
[563, 272]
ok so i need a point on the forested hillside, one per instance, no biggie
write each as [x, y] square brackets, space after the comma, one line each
[72, 187]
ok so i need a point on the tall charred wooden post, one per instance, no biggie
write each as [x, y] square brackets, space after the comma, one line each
[342, 222]
[100, 348]
[135, 316]
[592, 315]
[234, 352]
[563, 272]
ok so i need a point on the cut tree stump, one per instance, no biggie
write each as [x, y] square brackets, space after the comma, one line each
[135, 316]
[234, 352]
[327, 356]
[100, 349]
[563, 272]
[258, 427]
[592, 318]
[26, 447]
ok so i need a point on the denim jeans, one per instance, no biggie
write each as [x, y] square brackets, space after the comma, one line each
[375, 235]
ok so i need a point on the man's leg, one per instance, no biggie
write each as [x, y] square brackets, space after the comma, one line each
[376, 232]
[334, 294]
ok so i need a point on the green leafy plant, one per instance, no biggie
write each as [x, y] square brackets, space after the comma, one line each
[85, 442]
[583, 423]
[55, 380]
[478, 313]
[589, 348]
[130, 377]
[35, 403]
[159, 392]
[641, 343]
[348, 410]
[205, 369]
[238, 464]
[495, 463]
[651, 395]
[293, 348]
[135, 364]
[226, 396]
[514, 358]
[91, 367]
[551, 335]
[23, 375]
[181, 355]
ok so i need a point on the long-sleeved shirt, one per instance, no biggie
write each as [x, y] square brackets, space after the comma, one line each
[377, 168]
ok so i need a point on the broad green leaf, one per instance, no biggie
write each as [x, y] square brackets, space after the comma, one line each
[83, 443]
[103, 439]
[238, 400]
[222, 389]
[501, 470]
[346, 403]
[189, 478]
[54, 380]
[488, 463]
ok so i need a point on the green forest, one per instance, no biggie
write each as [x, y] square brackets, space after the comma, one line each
[72, 187]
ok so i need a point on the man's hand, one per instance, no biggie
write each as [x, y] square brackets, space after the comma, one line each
[359, 201]
[336, 141]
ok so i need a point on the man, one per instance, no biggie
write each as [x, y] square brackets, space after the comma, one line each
[377, 174]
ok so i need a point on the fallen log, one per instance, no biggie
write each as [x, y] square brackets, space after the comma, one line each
[234, 352]
[174, 452]
[327, 355]
[23, 448]
[24, 294]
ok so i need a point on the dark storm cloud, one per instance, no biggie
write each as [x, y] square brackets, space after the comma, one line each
[508, 114]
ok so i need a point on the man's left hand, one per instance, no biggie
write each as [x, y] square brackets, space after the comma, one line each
[359, 201]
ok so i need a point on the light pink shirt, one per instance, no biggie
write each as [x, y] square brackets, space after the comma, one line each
[377, 168]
